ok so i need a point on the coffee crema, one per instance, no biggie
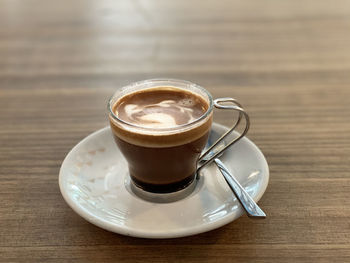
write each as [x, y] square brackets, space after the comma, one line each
[160, 108]
[157, 117]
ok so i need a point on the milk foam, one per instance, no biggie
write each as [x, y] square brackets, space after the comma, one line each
[160, 115]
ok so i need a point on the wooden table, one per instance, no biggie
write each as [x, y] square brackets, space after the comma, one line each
[288, 62]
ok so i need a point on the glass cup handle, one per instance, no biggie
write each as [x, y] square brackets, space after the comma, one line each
[219, 147]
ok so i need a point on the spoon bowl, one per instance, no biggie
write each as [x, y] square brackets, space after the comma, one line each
[249, 205]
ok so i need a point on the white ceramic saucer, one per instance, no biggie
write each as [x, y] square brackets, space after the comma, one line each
[94, 182]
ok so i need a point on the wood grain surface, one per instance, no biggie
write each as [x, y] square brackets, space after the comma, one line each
[288, 62]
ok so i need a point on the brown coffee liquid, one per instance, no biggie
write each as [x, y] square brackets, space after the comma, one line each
[161, 162]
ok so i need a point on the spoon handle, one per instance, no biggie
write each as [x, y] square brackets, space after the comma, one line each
[249, 205]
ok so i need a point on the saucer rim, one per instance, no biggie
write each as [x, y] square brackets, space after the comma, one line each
[176, 233]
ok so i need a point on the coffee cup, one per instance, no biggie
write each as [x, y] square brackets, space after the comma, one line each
[161, 126]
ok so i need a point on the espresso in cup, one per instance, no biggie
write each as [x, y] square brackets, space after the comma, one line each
[161, 128]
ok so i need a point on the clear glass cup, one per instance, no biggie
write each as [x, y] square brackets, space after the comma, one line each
[166, 160]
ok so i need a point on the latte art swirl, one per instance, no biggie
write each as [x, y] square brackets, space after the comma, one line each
[165, 114]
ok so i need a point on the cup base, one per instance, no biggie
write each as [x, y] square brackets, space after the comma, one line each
[160, 197]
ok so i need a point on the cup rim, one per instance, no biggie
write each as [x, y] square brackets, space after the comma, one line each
[172, 83]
